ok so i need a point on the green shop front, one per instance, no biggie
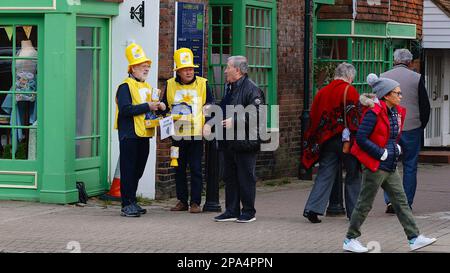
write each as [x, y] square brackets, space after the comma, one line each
[54, 86]
[369, 46]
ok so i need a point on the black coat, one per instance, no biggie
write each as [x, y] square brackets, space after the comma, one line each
[244, 92]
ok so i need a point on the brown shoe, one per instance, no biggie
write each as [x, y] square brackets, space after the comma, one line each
[180, 206]
[195, 208]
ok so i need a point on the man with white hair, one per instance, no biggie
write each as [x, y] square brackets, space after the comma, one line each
[415, 100]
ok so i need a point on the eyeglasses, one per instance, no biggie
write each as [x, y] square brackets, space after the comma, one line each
[397, 93]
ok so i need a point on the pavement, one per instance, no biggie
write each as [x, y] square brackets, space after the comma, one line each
[279, 228]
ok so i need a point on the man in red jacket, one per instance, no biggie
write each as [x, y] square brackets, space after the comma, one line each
[377, 149]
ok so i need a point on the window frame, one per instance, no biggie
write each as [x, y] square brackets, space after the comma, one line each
[238, 43]
[15, 164]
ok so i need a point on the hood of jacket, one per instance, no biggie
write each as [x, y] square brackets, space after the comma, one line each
[368, 100]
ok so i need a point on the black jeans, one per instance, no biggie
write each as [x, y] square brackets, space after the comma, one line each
[190, 152]
[240, 183]
[133, 158]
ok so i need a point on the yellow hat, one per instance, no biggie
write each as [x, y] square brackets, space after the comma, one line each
[184, 58]
[135, 55]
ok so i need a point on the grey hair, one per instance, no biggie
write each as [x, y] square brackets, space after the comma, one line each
[239, 62]
[402, 56]
[345, 71]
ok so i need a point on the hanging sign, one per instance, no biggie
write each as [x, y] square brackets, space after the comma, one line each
[189, 30]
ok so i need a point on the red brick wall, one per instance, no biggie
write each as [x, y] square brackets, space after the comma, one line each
[290, 87]
[402, 11]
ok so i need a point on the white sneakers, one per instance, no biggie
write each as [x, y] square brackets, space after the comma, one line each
[354, 245]
[420, 241]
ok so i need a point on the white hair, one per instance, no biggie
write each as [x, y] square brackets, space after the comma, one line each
[345, 71]
[239, 62]
[402, 56]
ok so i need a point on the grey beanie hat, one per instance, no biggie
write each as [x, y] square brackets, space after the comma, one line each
[381, 86]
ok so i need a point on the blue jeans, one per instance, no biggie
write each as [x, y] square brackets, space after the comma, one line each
[410, 142]
[331, 158]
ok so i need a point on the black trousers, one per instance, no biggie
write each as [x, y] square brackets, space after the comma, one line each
[190, 152]
[240, 183]
[133, 158]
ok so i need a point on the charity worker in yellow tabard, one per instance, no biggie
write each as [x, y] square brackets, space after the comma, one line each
[186, 95]
[132, 106]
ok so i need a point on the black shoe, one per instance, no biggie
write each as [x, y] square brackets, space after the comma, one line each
[139, 209]
[390, 209]
[130, 211]
[245, 218]
[225, 217]
[312, 217]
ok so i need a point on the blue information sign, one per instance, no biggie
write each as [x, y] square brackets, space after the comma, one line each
[190, 30]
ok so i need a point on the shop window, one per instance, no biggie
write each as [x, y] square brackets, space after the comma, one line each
[18, 91]
[368, 55]
[258, 43]
[88, 115]
[220, 46]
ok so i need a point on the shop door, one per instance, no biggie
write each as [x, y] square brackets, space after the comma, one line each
[21, 43]
[434, 84]
[92, 103]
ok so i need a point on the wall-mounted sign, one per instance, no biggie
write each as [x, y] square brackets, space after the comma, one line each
[189, 30]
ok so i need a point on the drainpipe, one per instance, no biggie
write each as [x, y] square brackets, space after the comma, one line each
[305, 174]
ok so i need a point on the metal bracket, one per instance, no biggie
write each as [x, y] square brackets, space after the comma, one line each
[138, 13]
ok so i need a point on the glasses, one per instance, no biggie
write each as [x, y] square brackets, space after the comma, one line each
[397, 93]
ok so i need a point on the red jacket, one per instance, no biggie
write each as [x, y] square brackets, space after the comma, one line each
[379, 136]
[327, 118]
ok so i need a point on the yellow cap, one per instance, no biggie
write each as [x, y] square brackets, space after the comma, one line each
[183, 58]
[135, 55]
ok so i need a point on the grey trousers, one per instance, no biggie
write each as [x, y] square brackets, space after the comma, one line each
[331, 158]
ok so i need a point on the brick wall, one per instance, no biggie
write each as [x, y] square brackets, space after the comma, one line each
[402, 11]
[290, 89]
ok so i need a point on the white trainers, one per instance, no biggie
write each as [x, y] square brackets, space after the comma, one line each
[420, 241]
[354, 245]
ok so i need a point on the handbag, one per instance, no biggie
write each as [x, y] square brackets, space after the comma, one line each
[346, 143]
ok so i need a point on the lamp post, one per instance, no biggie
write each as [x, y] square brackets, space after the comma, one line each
[305, 174]
[212, 176]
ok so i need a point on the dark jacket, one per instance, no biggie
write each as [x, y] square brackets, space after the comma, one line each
[244, 92]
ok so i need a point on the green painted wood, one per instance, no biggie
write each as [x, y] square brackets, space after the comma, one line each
[326, 2]
[369, 29]
[26, 4]
[18, 179]
[99, 132]
[406, 31]
[59, 114]
[334, 27]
